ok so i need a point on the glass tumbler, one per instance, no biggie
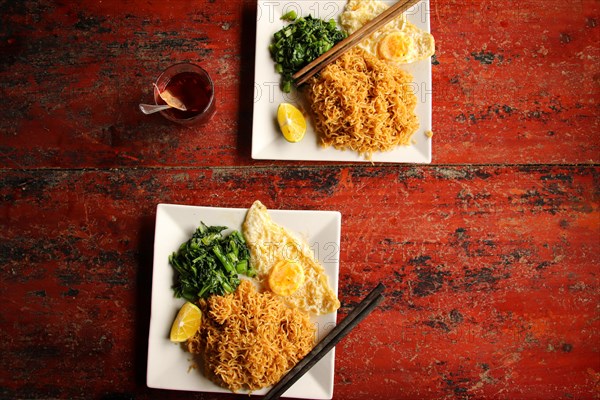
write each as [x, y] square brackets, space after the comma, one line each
[192, 86]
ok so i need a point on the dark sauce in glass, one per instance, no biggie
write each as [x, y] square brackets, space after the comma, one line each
[193, 90]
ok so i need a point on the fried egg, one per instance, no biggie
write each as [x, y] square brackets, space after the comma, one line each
[398, 42]
[286, 264]
[286, 277]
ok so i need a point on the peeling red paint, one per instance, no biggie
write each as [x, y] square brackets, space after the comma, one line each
[490, 255]
[487, 294]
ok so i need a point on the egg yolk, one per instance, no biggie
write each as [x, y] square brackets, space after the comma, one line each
[394, 46]
[286, 277]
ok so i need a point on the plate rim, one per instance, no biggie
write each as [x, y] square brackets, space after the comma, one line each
[413, 155]
[334, 217]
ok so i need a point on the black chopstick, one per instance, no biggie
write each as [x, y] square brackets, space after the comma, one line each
[363, 309]
[341, 47]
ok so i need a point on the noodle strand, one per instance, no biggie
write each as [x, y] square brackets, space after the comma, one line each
[249, 340]
[360, 103]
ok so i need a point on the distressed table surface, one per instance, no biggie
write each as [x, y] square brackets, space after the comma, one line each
[491, 254]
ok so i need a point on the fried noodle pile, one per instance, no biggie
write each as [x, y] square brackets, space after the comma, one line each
[249, 340]
[360, 103]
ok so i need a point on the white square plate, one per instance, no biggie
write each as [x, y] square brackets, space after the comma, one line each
[267, 141]
[168, 363]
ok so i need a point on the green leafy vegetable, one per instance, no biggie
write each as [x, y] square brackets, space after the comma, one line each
[299, 43]
[289, 16]
[209, 263]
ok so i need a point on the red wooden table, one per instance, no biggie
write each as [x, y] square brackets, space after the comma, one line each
[490, 254]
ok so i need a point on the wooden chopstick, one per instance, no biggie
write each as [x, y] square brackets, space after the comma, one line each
[341, 47]
[363, 309]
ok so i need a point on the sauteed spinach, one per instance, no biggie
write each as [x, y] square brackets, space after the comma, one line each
[299, 43]
[209, 263]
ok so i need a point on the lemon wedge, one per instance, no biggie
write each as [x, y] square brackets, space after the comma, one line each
[186, 323]
[171, 100]
[286, 277]
[291, 121]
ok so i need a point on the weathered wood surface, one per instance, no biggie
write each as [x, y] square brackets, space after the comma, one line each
[491, 255]
[492, 275]
[513, 82]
